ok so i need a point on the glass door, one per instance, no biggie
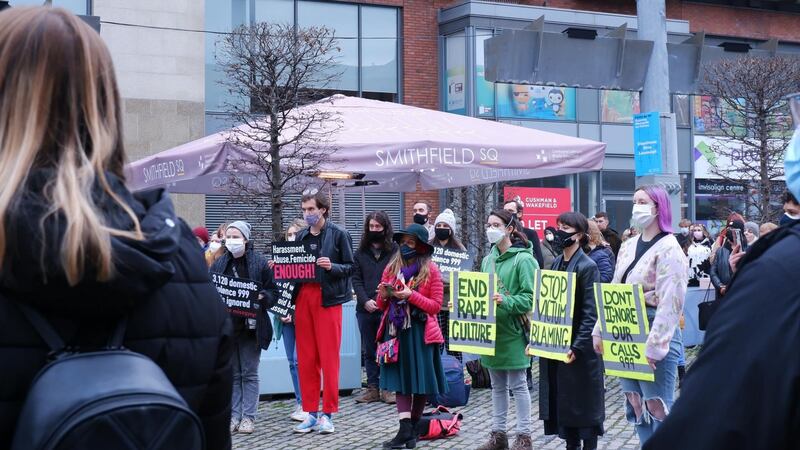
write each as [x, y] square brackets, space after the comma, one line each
[618, 208]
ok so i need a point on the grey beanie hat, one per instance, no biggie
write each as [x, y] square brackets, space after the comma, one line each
[752, 227]
[242, 226]
[447, 217]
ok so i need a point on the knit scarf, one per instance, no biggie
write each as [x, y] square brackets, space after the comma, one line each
[399, 310]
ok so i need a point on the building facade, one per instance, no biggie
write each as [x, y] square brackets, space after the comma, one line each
[426, 53]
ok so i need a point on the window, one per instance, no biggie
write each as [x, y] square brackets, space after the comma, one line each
[616, 181]
[274, 11]
[619, 106]
[80, 7]
[485, 89]
[711, 114]
[455, 68]
[343, 20]
[680, 106]
[378, 49]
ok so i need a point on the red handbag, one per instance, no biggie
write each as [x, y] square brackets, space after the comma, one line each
[388, 351]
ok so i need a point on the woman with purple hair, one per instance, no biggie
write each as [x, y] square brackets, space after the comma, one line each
[654, 260]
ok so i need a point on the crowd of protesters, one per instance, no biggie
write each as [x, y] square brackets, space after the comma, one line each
[78, 250]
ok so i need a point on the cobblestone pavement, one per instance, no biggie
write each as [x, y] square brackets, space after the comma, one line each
[367, 426]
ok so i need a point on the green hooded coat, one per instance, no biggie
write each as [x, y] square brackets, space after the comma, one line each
[515, 271]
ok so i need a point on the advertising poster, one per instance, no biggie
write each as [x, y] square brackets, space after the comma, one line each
[473, 326]
[647, 144]
[623, 322]
[541, 206]
[619, 106]
[523, 101]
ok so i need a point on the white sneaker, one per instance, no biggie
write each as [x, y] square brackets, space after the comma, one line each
[299, 415]
[325, 425]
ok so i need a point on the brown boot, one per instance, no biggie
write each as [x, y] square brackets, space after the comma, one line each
[388, 397]
[522, 442]
[498, 440]
[371, 395]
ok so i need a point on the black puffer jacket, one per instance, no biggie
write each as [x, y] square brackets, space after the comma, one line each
[175, 316]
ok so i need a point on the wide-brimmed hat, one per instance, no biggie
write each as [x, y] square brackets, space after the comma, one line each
[419, 232]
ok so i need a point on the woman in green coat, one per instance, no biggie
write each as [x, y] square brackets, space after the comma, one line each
[511, 259]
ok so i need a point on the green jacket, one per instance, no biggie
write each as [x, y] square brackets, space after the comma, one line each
[514, 270]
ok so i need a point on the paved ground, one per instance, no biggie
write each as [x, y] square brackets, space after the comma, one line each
[367, 426]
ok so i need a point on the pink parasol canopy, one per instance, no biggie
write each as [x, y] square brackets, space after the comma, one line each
[395, 145]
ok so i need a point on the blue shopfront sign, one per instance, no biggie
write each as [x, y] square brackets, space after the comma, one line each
[647, 144]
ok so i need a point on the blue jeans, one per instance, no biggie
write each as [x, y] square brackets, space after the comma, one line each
[246, 355]
[661, 392]
[287, 335]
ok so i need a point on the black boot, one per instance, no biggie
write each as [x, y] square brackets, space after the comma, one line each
[405, 438]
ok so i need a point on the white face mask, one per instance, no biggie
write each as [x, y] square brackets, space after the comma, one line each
[494, 235]
[684, 230]
[291, 238]
[235, 246]
[643, 215]
[549, 237]
[214, 246]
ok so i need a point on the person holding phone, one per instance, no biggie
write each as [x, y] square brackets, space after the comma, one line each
[410, 296]
[571, 393]
[733, 241]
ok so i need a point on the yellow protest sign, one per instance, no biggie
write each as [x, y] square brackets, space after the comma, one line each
[623, 321]
[551, 324]
[473, 326]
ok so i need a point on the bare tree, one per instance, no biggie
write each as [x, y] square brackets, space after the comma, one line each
[277, 76]
[754, 123]
[471, 205]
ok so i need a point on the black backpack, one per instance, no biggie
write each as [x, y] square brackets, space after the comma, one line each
[110, 399]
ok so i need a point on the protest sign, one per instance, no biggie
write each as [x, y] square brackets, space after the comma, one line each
[452, 260]
[284, 306]
[238, 294]
[623, 321]
[294, 262]
[473, 326]
[551, 324]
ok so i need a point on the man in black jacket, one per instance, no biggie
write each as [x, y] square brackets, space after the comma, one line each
[318, 313]
[609, 234]
[515, 207]
[743, 391]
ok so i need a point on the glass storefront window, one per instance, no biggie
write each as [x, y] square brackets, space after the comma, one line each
[535, 102]
[343, 20]
[455, 69]
[80, 7]
[587, 193]
[618, 181]
[378, 49]
[680, 106]
[485, 89]
[274, 11]
[619, 106]
[711, 114]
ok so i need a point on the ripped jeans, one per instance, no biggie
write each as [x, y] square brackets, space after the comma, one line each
[658, 395]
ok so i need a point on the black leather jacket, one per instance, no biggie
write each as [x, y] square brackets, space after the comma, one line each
[337, 286]
[721, 270]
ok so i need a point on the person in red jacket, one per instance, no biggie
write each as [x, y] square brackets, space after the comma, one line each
[410, 296]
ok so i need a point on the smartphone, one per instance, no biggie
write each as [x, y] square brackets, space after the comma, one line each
[738, 239]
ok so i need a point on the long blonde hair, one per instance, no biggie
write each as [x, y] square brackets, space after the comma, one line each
[60, 110]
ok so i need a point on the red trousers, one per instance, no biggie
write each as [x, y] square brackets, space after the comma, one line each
[319, 337]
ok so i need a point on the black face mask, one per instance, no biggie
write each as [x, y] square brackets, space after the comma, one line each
[564, 238]
[376, 236]
[443, 234]
[421, 219]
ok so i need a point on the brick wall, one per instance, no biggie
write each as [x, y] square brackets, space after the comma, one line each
[411, 198]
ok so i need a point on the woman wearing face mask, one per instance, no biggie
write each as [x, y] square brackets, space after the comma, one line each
[550, 249]
[600, 252]
[370, 261]
[410, 296]
[445, 237]
[250, 335]
[698, 251]
[655, 261]
[284, 329]
[571, 394]
[215, 245]
[511, 260]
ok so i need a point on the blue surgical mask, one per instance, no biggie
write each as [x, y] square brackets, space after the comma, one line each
[407, 252]
[312, 219]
